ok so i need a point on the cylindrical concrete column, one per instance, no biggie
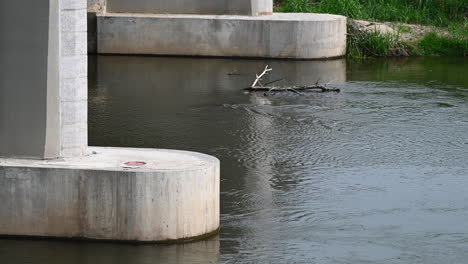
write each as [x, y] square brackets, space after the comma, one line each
[117, 194]
[209, 7]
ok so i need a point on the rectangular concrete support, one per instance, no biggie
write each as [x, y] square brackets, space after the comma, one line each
[212, 7]
[43, 78]
[73, 78]
[28, 74]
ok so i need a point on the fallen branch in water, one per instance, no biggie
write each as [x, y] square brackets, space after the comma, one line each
[257, 86]
[259, 77]
[303, 88]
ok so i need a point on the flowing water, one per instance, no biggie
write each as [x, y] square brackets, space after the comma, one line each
[375, 174]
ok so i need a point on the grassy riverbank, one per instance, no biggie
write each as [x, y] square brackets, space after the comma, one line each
[443, 22]
[397, 39]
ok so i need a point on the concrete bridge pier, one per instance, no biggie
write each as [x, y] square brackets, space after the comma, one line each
[51, 183]
[226, 28]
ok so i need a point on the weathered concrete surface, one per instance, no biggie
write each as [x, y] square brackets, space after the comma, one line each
[43, 78]
[96, 5]
[73, 67]
[281, 35]
[209, 7]
[174, 196]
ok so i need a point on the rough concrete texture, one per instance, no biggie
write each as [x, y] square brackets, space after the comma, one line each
[96, 5]
[174, 196]
[211, 7]
[73, 78]
[281, 35]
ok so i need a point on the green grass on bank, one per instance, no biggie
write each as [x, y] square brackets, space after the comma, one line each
[375, 44]
[432, 44]
[452, 14]
[371, 44]
[425, 12]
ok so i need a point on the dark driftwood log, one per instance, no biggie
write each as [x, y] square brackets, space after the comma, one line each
[296, 88]
[257, 86]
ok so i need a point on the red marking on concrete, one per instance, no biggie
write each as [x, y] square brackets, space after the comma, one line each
[135, 163]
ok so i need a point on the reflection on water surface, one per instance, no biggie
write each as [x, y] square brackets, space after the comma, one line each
[375, 174]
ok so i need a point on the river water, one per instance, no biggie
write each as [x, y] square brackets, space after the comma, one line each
[375, 174]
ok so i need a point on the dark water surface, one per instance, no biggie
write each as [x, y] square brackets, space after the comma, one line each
[375, 174]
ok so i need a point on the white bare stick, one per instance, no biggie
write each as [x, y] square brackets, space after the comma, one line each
[329, 82]
[259, 77]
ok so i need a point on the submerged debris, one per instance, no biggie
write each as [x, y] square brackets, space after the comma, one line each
[257, 86]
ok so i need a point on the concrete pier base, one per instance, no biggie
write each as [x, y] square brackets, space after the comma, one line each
[172, 195]
[51, 183]
[280, 35]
